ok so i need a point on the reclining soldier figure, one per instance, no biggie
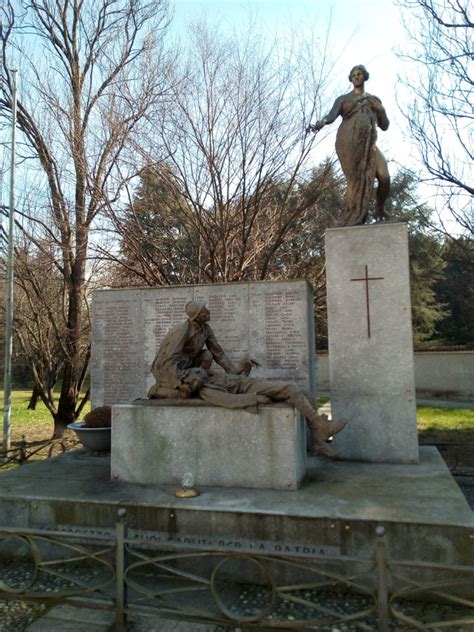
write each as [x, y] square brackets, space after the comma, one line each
[182, 369]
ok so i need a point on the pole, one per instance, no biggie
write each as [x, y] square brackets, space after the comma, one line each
[7, 380]
[120, 622]
[382, 580]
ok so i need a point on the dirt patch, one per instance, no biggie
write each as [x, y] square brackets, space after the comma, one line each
[35, 443]
[457, 456]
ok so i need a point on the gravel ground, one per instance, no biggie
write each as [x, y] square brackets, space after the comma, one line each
[465, 480]
[251, 600]
[16, 616]
[334, 604]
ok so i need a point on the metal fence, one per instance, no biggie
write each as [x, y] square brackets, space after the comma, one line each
[247, 590]
[34, 450]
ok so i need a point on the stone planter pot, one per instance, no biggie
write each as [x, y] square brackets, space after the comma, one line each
[96, 439]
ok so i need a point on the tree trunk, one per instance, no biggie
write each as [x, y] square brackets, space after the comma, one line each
[67, 402]
[66, 412]
[35, 395]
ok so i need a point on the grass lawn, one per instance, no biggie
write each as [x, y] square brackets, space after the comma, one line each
[35, 425]
[435, 425]
[439, 425]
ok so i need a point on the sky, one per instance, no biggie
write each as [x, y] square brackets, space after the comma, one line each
[364, 32]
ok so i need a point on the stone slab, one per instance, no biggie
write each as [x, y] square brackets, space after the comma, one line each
[335, 511]
[158, 444]
[65, 618]
[51, 624]
[83, 619]
[370, 342]
[272, 320]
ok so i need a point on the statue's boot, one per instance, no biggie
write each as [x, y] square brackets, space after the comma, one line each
[328, 428]
[325, 450]
[320, 426]
[321, 431]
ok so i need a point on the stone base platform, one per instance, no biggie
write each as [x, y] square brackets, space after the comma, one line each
[335, 511]
[157, 442]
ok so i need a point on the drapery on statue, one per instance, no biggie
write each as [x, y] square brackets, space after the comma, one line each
[182, 370]
[360, 159]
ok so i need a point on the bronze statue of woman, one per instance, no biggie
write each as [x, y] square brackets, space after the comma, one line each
[360, 159]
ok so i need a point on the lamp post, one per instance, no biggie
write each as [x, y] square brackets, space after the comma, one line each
[7, 381]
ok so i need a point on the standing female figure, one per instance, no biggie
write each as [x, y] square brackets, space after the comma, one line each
[360, 159]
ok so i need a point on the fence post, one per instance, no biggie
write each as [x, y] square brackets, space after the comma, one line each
[120, 623]
[382, 579]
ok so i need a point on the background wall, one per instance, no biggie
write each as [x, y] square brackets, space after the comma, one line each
[447, 374]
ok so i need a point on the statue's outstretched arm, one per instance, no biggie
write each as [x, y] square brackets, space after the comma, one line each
[330, 117]
[219, 354]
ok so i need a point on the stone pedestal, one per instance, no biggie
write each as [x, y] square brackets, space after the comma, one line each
[370, 342]
[156, 444]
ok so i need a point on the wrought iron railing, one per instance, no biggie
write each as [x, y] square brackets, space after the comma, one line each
[166, 583]
[50, 557]
[130, 578]
[446, 592]
[27, 451]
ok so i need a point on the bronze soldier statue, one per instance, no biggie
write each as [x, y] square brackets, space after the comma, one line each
[182, 369]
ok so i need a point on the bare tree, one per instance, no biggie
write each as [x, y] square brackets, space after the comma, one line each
[40, 323]
[90, 73]
[157, 240]
[235, 151]
[441, 84]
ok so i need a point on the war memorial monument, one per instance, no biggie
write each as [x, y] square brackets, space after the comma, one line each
[266, 486]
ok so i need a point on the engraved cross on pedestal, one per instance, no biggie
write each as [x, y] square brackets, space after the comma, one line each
[366, 278]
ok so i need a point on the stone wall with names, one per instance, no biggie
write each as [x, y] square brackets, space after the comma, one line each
[270, 320]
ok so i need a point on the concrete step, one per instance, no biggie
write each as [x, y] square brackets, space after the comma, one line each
[166, 625]
[66, 618]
